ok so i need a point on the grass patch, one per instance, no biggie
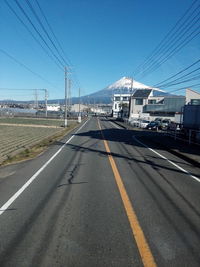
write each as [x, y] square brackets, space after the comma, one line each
[33, 121]
[33, 151]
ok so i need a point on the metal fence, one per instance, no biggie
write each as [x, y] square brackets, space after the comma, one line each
[189, 136]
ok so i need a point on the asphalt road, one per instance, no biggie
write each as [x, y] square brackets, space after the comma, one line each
[103, 196]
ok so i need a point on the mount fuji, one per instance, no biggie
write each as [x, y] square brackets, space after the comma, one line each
[123, 86]
[126, 83]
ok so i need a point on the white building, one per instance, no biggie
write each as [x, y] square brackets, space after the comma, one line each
[120, 104]
[139, 99]
[53, 107]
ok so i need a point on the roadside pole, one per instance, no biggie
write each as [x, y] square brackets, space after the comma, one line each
[79, 107]
[130, 92]
[45, 90]
[66, 95]
[36, 99]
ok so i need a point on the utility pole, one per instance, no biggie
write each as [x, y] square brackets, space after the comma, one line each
[131, 93]
[36, 99]
[69, 94]
[66, 95]
[46, 96]
[79, 107]
[131, 89]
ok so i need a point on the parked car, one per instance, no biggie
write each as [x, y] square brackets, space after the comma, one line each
[135, 122]
[153, 125]
[164, 124]
[158, 119]
[144, 123]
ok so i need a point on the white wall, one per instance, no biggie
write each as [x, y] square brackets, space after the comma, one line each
[190, 94]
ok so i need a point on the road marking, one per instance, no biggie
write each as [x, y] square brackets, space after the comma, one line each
[116, 126]
[171, 162]
[143, 247]
[163, 157]
[20, 191]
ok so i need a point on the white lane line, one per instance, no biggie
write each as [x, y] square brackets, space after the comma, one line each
[171, 162]
[116, 126]
[19, 192]
[163, 157]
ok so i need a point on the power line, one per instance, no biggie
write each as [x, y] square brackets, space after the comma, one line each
[173, 52]
[37, 31]
[197, 77]
[164, 40]
[50, 28]
[158, 84]
[76, 80]
[22, 22]
[186, 87]
[58, 60]
[47, 34]
[24, 66]
[178, 79]
[170, 42]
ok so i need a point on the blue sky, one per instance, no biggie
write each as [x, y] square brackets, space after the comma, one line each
[104, 41]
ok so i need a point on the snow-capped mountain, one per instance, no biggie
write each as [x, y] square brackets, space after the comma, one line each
[127, 83]
[123, 86]
[130, 85]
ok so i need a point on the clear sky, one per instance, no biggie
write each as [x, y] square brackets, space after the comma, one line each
[104, 41]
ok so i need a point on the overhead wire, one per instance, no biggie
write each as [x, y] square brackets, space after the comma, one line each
[197, 77]
[164, 40]
[186, 87]
[169, 78]
[170, 41]
[45, 31]
[30, 32]
[164, 58]
[174, 51]
[180, 80]
[58, 59]
[53, 33]
[177, 79]
[39, 34]
[26, 67]
[65, 58]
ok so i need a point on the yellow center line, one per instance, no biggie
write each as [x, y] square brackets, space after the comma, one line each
[143, 247]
